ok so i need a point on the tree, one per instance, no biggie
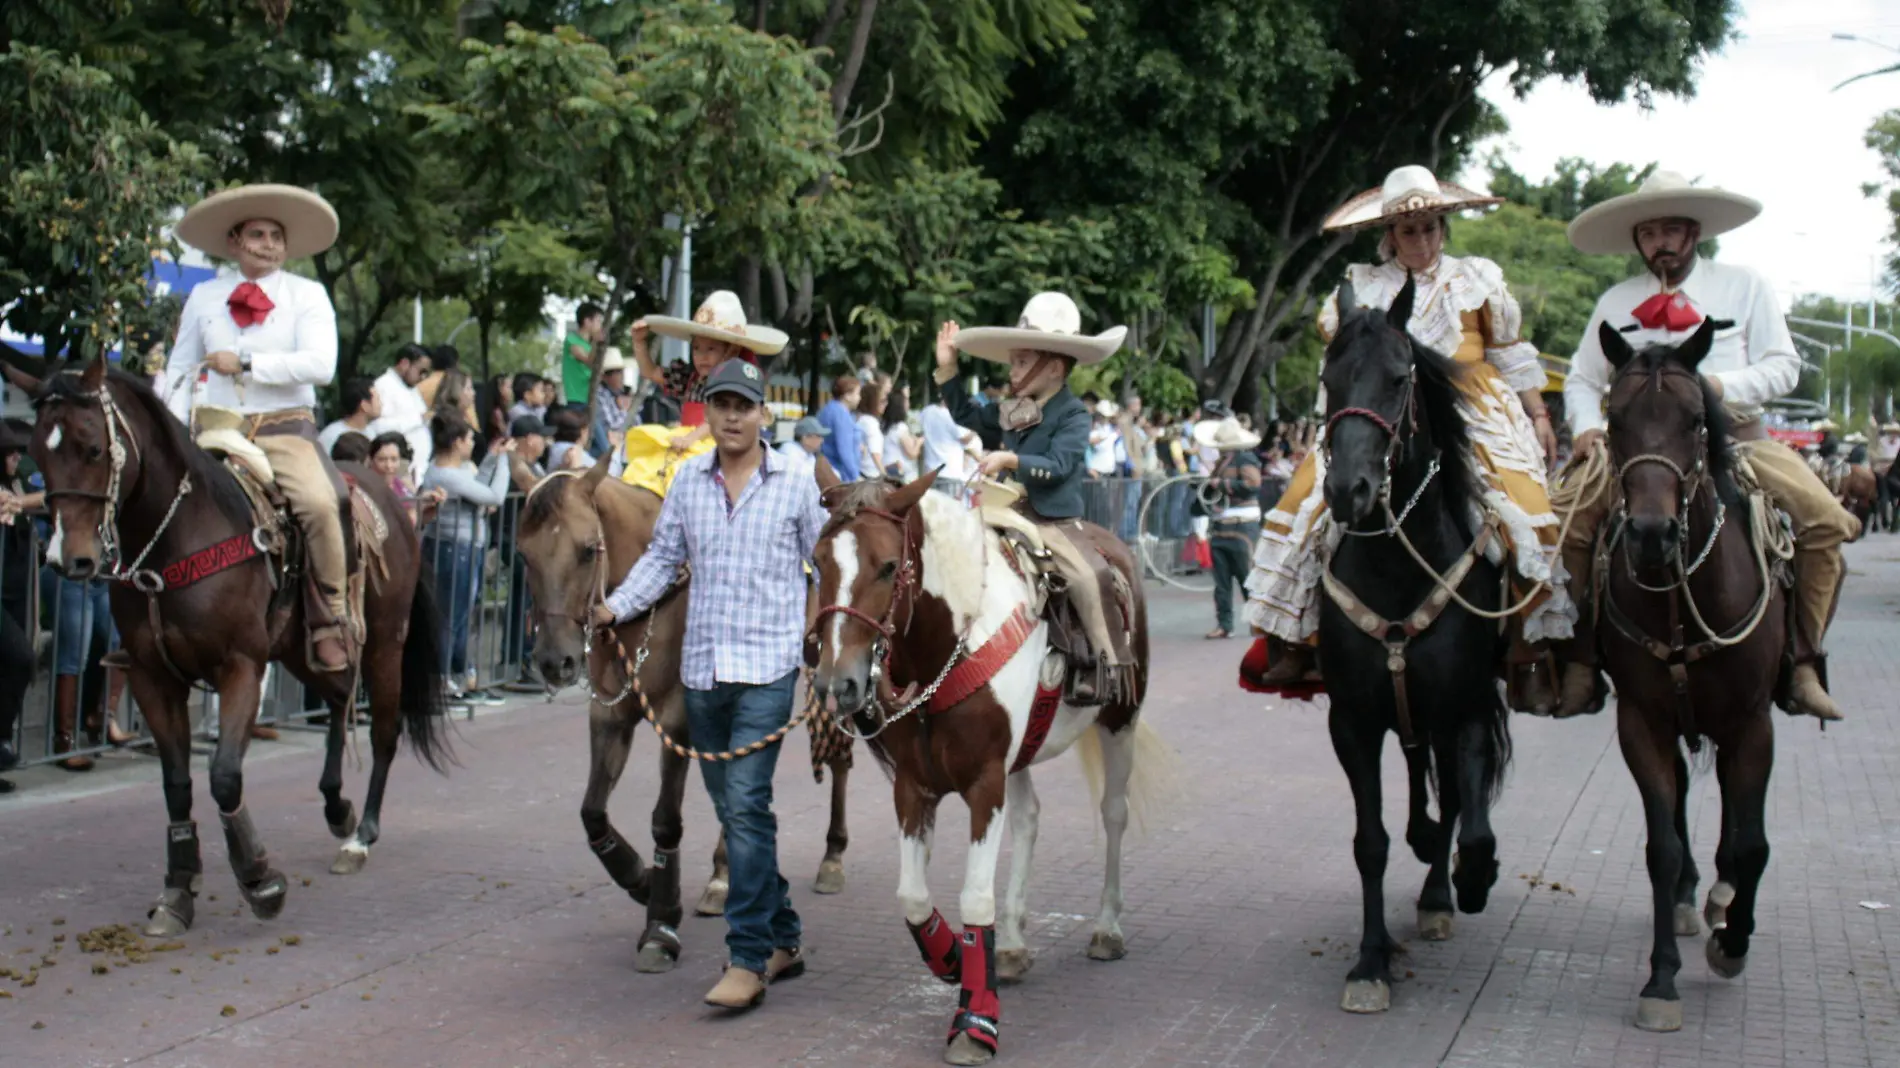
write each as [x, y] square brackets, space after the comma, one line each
[88, 179]
[1884, 138]
[692, 115]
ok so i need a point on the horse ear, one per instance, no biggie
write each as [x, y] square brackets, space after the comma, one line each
[1346, 301]
[22, 381]
[1615, 349]
[598, 473]
[1696, 349]
[903, 499]
[1400, 313]
[94, 376]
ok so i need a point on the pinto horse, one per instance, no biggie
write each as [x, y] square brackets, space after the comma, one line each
[1692, 627]
[580, 533]
[199, 602]
[915, 591]
[1398, 652]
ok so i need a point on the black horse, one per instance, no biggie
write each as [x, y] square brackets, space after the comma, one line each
[1397, 469]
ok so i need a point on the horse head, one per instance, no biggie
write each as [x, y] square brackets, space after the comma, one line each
[1371, 402]
[77, 448]
[867, 583]
[563, 541]
[1667, 437]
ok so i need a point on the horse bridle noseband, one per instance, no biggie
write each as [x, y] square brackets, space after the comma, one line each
[1688, 483]
[1397, 433]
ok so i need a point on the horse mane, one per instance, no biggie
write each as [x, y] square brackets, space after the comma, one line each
[544, 500]
[1652, 360]
[852, 498]
[210, 475]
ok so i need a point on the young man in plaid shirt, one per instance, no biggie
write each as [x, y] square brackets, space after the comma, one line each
[746, 522]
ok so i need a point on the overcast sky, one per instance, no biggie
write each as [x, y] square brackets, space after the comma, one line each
[1763, 122]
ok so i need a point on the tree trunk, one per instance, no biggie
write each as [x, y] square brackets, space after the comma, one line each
[749, 289]
[853, 60]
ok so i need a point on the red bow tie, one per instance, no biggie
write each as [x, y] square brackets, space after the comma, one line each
[1667, 311]
[249, 305]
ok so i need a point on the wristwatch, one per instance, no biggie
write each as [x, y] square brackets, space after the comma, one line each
[244, 363]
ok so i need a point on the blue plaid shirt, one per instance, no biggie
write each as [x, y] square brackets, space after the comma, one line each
[745, 615]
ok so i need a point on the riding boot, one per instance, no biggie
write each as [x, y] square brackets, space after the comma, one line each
[1817, 593]
[65, 719]
[1529, 675]
[1582, 690]
[1290, 663]
[102, 721]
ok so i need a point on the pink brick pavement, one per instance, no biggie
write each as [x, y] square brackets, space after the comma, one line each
[484, 933]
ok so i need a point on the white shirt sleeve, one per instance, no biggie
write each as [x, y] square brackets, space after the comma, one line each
[1774, 368]
[312, 359]
[1589, 379]
[1505, 347]
[187, 355]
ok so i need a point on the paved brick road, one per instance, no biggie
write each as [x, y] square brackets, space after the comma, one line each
[483, 933]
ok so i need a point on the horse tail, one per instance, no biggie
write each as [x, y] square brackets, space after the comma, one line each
[424, 702]
[1153, 778]
[1497, 748]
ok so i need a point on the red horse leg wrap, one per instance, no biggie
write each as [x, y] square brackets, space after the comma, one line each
[980, 1011]
[939, 946]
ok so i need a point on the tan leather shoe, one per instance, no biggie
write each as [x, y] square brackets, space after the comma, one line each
[739, 988]
[261, 733]
[1290, 663]
[785, 964]
[1578, 694]
[1810, 698]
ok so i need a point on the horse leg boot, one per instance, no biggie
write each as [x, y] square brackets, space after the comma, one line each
[974, 1031]
[660, 942]
[262, 886]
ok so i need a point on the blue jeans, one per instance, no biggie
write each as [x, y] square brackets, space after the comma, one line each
[454, 563]
[82, 620]
[759, 916]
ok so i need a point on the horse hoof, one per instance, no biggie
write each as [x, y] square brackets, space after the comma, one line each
[1434, 926]
[1715, 907]
[1366, 995]
[347, 826]
[713, 901]
[171, 916]
[830, 878]
[350, 859]
[1655, 1014]
[654, 959]
[966, 1050]
[266, 896]
[1721, 963]
[1108, 945]
[1013, 964]
[1688, 922]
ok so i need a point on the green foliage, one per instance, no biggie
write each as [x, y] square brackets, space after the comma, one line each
[1884, 138]
[1556, 285]
[86, 179]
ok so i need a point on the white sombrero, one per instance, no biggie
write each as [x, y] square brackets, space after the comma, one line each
[1605, 229]
[308, 220]
[1050, 323]
[1408, 193]
[1226, 435]
[611, 360]
[721, 317]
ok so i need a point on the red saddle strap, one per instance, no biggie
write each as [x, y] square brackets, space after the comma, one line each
[208, 561]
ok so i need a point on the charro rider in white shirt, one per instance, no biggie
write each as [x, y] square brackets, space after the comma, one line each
[1752, 361]
[259, 343]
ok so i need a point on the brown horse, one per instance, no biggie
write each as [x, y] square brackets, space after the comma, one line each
[580, 533]
[915, 591]
[199, 603]
[1859, 492]
[1693, 627]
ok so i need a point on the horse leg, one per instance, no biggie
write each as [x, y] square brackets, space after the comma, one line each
[1744, 764]
[163, 703]
[1475, 868]
[975, 1029]
[382, 676]
[1118, 762]
[1688, 924]
[916, 820]
[1369, 983]
[263, 887]
[660, 942]
[338, 812]
[831, 869]
[1432, 843]
[712, 900]
[1651, 755]
[1013, 958]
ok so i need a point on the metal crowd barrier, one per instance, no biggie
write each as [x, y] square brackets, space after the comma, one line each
[56, 628]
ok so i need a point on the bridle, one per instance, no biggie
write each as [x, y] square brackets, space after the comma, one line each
[1688, 484]
[904, 593]
[1398, 433]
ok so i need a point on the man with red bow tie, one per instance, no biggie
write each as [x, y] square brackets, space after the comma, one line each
[260, 342]
[1750, 362]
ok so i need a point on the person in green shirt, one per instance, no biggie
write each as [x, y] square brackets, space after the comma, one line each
[577, 354]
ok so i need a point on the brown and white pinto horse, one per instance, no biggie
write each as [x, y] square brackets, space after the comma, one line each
[916, 594]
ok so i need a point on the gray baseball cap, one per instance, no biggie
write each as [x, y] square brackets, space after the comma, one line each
[809, 426]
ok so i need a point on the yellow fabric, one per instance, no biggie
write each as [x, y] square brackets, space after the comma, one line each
[646, 453]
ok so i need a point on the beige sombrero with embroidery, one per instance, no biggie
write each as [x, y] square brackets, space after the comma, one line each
[721, 317]
[309, 222]
[1050, 322]
[1607, 229]
[1225, 435]
[1409, 192]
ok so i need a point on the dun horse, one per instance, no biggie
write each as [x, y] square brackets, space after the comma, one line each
[579, 535]
[134, 500]
[1395, 654]
[917, 594]
[1693, 631]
